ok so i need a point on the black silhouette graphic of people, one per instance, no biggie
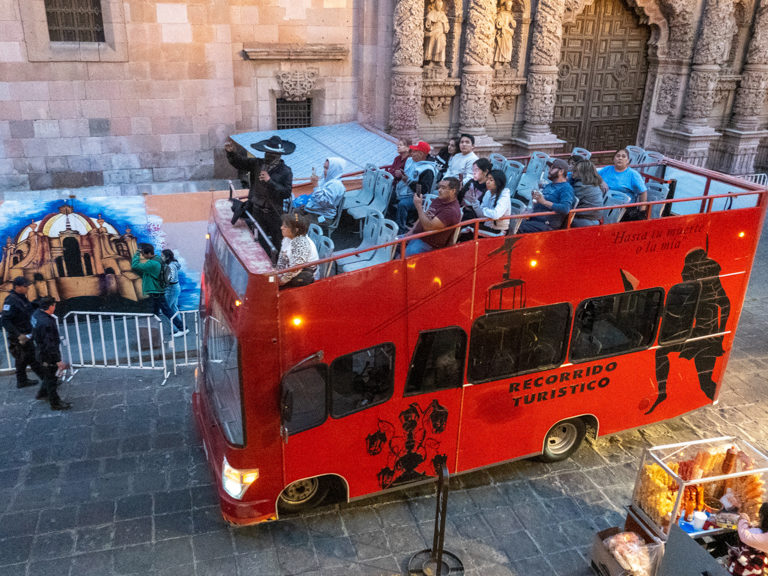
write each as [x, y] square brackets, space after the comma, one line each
[708, 317]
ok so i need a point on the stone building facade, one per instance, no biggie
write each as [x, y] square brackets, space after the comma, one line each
[156, 99]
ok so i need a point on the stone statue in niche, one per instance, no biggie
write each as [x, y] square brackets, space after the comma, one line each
[436, 28]
[505, 32]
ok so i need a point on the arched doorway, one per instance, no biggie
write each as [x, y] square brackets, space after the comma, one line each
[601, 80]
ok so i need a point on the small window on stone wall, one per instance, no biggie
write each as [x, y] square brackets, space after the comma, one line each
[294, 113]
[74, 20]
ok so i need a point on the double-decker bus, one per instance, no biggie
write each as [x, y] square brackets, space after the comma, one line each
[483, 352]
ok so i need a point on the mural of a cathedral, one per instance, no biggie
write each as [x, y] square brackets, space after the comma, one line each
[68, 255]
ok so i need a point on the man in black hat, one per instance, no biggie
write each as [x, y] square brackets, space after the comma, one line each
[271, 182]
[47, 348]
[17, 311]
[557, 197]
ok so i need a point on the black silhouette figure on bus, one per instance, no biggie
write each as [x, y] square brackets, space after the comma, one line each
[408, 453]
[709, 317]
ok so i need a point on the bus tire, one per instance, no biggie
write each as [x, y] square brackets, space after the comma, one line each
[563, 439]
[303, 495]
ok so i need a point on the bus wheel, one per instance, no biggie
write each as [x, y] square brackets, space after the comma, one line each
[563, 439]
[303, 495]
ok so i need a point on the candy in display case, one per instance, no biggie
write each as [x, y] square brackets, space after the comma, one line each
[702, 485]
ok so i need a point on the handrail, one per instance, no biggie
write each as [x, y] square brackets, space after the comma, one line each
[707, 201]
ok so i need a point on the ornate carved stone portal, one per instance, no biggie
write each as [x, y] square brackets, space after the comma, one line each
[601, 77]
[297, 84]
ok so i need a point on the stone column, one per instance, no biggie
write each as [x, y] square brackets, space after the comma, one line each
[477, 74]
[741, 139]
[541, 88]
[407, 58]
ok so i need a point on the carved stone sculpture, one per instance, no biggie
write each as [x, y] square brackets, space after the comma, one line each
[547, 33]
[758, 45]
[717, 30]
[750, 96]
[700, 96]
[475, 102]
[682, 31]
[480, 33]
[436, 28]
[540, 100]
[408, 34]
[404, 104]
[405, 99]
[297, 84]
[669, 87]
[505, 32]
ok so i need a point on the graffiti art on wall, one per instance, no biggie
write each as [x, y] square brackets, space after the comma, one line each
[413, 454]
[79, 252]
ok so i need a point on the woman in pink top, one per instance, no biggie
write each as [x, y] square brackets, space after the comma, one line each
[755, 537]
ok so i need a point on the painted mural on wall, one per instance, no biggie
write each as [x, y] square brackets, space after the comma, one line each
[79, 252]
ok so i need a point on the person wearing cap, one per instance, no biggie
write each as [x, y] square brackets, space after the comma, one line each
[557, 196]
[271, 182]
[17, 312]
[417, 177]
[45, 333]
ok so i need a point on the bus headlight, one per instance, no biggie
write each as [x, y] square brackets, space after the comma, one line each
[235, 481]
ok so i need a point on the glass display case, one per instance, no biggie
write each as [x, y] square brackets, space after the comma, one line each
[701, 486]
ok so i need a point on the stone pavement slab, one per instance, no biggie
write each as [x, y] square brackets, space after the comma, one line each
[119, 486]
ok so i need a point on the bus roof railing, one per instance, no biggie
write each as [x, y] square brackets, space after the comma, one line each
[707, 204]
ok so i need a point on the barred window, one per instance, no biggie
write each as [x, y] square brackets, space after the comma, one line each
[294, 113]
[74, 20]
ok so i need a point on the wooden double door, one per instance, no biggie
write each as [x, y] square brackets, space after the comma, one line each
[602, 75]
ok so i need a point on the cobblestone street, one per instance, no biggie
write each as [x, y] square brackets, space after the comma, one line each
[119, 485]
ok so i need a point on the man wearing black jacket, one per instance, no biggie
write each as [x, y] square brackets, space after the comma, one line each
[47, 341]
[17, 311]
[271, 183]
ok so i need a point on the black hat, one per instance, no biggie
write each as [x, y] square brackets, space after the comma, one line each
[21, 281]
[275, 145]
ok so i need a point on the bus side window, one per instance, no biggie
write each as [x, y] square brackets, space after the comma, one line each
[362, 379]
[615, 324]
[506, 343]
[680, 312]
[438, 361]
[303, 399]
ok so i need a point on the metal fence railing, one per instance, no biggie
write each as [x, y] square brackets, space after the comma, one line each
[122, 340]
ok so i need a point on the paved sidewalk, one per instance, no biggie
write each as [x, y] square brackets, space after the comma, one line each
[119, 485]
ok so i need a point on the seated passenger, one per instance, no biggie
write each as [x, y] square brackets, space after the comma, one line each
[557, 196]
[398, 164]
[586, 186]
[443, 212]
[495, 203]
[443, 157]
[320, 205]
[624, 179]
[474, 189]
[417, 176]
[460, 165]
[297, 249]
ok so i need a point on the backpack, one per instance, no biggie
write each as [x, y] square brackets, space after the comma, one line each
[162, 281]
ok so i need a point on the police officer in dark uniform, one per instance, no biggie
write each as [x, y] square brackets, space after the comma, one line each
[271, 183]
[45, 333]
[17, 311]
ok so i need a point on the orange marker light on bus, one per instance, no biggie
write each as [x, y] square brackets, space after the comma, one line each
[437, 281]
[207, 236]
[534, 263]
[742, 234]
[238, 303]
[297, 320]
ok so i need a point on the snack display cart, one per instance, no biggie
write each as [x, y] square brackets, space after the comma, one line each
[696, 488]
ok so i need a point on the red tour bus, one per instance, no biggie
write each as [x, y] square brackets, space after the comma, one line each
[487, 351]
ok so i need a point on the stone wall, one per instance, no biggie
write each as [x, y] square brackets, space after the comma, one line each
[157, 100]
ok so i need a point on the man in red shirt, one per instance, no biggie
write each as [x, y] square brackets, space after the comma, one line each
[444, 212]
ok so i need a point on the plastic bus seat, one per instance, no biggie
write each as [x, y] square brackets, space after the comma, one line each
[636, 154]
[653, 157]
[315, 233]
[324, 247]
[387, 233]
[529, 181]
[331, 225]
[498, 161]
[380, 202]
[364, 196]
[616, 199]
[518, 207]
[371, 226]
[582, 153]
[657, 191]
[514, 172]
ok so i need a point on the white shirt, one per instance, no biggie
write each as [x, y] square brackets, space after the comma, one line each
[486, 209]
[461, 164]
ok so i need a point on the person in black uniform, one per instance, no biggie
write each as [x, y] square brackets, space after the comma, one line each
[17, 311]
[47, 341]
[271, 183]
